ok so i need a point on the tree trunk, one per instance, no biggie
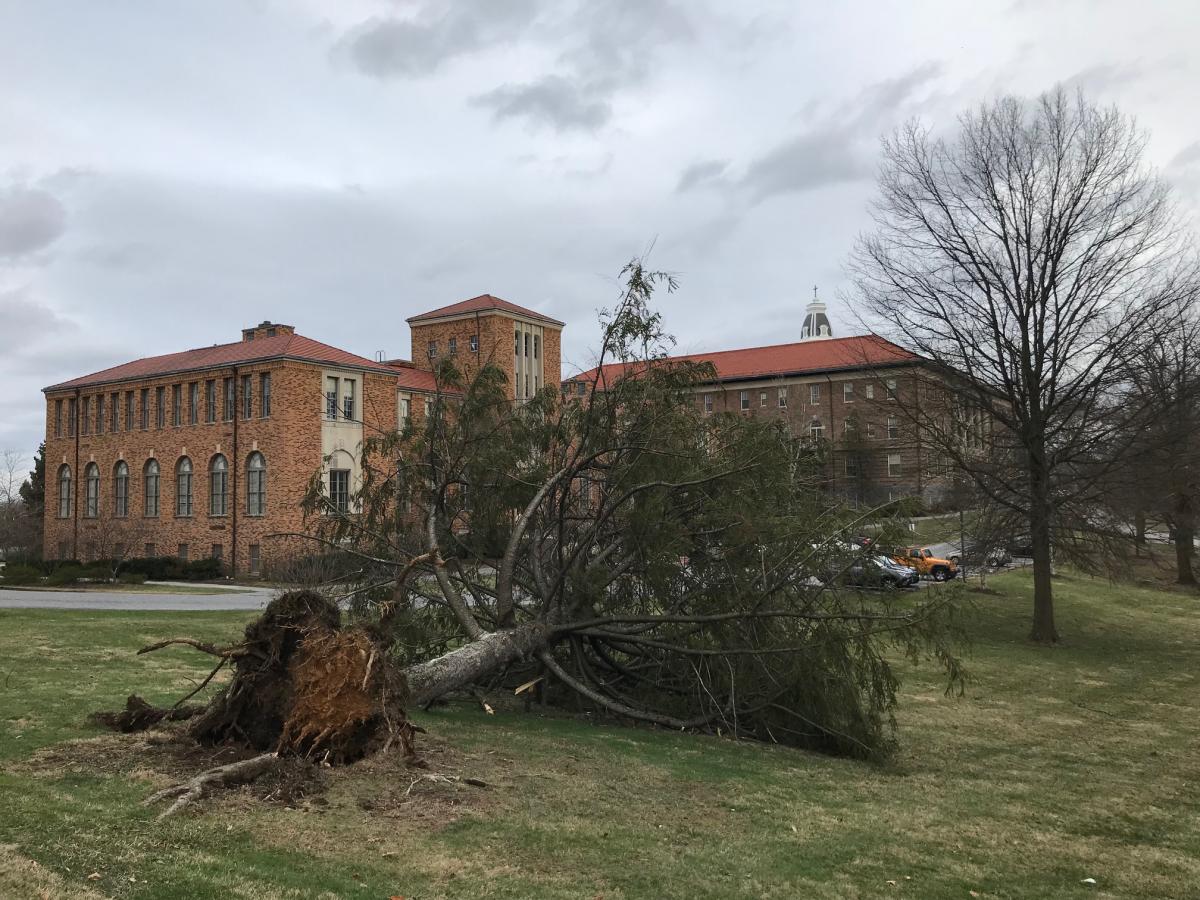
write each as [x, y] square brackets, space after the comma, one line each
[1139, 531]
[1043, 631]
[429, 680]
[1185, 532]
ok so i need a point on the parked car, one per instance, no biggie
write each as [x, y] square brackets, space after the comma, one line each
[926, 563]
[1021, 545]
[976, 554]
[881, 572]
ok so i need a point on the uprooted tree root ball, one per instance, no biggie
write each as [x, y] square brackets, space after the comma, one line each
[303, 685]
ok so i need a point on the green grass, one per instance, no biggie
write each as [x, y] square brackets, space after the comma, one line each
[1057, 765]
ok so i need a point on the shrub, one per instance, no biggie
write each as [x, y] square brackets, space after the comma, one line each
[202, 569]
[131, 578]
[64, 575]
[20, 573]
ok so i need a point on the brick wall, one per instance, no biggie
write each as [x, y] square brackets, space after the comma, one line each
[916, 473]
[289, 440]
[495, 343]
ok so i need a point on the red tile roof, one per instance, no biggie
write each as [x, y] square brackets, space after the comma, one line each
[802, 358]
[483, 303]
[410, 378]
[282, 346]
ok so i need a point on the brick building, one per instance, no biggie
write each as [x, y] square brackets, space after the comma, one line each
[855, 396]
[208, 452]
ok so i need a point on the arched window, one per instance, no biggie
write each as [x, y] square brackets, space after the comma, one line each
[256, 485]
[218, 486]
[121, 489]
[183, 487]
[91, 491]
[64, 492]
[150, 484]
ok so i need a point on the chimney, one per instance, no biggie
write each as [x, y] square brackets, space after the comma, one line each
[266, 329]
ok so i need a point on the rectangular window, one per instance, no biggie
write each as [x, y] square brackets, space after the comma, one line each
[814, 394]
[783, 398]
[517, 343]
[405, 410]
[893, 465]
[247, 397]
[160, 407]
[348, 405]
[227, 388]
[893, 428]
[255, 559]
[744, 398]
[183, 552]
[99, 414]
[762, 398]
[869, 391]
[537, 346]
[58, 414]
[63, 549]
[210, 400]
[452, 346]
[851, 464]
[816, 429]
[708, 403]
[474, 343]
[145, 410]
[177, 404]
[129, 410]
[86, 417]
[264, 391]
[149, 551]
[891, 388]
[218, 552]
[870, 429]
[847, 391]
[433, 349]
[114, 412]
[72, 415]
[331, 395]
[193, 403]
[339, 489]
[527, 353]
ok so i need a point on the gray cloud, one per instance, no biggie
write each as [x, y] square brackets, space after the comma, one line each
[1185, 157]
[561, 103]
[405, 48]
[704, 172]
[26, 322]
[30, 220]
[605, 48]
[840, 146]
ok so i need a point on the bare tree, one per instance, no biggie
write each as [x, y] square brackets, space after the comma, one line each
[1023, 258]
[17, 526]
[1162, 407]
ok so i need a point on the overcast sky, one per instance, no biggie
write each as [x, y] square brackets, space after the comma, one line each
[172, 172]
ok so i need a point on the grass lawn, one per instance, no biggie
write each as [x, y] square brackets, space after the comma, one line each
[1058, 765]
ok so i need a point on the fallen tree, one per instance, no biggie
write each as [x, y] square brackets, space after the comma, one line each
[614, 546]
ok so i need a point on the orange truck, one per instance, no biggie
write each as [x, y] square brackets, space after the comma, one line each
[926, 564]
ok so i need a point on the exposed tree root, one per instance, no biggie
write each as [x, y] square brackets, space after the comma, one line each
[138, 715]
[303, 686]
[188, 792]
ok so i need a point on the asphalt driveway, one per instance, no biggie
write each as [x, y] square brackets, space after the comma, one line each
[248, 598]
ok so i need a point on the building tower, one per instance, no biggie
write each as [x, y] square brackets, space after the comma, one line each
[816, 323]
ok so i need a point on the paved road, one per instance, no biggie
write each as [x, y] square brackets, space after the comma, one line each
[248, 598]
